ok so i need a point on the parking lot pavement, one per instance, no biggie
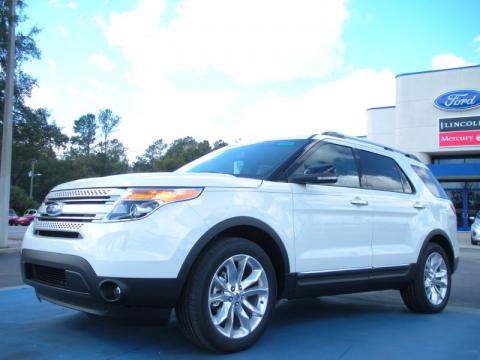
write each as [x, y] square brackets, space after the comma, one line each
[327, 328]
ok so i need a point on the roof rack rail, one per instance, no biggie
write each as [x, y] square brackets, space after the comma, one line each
[342, 136]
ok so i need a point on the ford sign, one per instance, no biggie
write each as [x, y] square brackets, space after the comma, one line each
[458, 100]
[54, 209]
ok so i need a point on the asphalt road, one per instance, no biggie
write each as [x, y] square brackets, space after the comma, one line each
[16, 232]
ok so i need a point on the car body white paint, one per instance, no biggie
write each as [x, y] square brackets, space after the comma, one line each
[319, 226]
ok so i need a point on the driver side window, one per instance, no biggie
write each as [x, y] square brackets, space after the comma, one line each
[339, 156]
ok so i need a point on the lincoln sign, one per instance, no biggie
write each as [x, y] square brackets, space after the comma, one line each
[464, 131]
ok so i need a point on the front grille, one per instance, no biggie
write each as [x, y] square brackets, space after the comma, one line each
[79, 207]
[46, 274]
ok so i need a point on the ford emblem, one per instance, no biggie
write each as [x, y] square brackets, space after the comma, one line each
[54, 209]
[458, 100]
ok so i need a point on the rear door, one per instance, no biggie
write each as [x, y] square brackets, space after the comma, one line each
[332, 223]
[396, 208]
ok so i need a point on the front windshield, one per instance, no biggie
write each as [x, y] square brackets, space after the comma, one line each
[257, 161]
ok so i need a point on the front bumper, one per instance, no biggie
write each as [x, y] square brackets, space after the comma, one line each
[70, 281]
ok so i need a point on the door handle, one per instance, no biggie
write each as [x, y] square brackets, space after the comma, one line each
[358, 201]
[419, 205]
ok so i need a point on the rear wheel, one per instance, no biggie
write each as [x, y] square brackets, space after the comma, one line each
[430, 290]
[229, 297]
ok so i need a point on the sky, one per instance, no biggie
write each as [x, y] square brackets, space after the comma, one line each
[238, 70]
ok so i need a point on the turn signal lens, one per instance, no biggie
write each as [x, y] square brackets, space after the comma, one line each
[162, 195]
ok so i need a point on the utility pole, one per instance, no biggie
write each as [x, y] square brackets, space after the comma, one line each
[6, 164]
[32, 175]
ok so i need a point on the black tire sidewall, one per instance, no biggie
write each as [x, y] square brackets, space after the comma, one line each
[234, 246]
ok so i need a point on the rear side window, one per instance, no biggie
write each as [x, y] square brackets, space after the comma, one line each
[430, 181]
[382, 173]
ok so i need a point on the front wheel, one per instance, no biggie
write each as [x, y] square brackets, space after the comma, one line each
[229, 297]
[430, 289]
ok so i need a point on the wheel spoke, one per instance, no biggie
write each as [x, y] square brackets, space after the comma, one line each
[220, 282]
[251, 308]
[241, 268]
[255, 291]
[222, 314]
[230, 320]
[218, 297]
[244, 319]
[231, 272]
[252, 278]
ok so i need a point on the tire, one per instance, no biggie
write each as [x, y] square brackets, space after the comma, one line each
[213, 293]
[429, 291]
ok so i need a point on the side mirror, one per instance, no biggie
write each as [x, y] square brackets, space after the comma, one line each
[316, 174]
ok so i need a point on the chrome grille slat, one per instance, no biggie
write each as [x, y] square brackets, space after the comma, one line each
[80, 207]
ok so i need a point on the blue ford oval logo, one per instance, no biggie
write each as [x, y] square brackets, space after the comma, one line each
[458, 100]
[54, 209]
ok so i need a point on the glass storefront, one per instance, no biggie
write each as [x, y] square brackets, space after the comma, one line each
[466, 199]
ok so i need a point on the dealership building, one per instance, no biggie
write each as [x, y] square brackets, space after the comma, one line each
[437, 117]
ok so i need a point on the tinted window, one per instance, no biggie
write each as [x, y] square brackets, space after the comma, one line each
[380, 172]
[257, 161]
[430, 181]
[341, 157]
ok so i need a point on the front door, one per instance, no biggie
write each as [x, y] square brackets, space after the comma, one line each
[332, 223]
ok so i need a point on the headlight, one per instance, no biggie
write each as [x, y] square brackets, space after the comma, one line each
[138, 203]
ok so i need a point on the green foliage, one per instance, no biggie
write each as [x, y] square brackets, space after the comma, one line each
[26, 50]
[85, 128]
[19, 200]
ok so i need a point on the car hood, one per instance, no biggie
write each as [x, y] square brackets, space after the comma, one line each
[163, 179]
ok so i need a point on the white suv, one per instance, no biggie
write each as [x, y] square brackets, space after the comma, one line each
[226, 236]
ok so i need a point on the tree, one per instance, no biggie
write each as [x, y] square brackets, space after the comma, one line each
[152, 153]
[219, 144]
[108, 124]
[25, 50]
[34, 139]
[183, 151]
[85, 129]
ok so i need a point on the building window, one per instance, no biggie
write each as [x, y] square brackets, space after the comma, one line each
[456, 160]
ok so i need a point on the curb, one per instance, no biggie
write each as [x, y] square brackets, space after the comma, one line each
[10, 250]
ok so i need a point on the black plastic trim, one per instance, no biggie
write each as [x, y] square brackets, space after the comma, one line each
[82, 292]
[211, 235]
[350, 281]
[453, 261]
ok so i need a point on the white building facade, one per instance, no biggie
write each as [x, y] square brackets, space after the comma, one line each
[437, 117]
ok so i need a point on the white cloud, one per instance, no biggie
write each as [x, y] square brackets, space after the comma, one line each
[101, 61]
[446, 61]
[336, 106]
[249, 40]
[43, 95]
[72, 5]
[476, 40]
[63, 31]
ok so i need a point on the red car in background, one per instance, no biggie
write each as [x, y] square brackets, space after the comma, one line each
[26, 219]
[11, 216]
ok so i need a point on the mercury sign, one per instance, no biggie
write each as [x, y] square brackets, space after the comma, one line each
[464, 131]
[458, 100]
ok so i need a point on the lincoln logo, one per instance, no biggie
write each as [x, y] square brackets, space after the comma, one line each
[458, 100]
[54, 209]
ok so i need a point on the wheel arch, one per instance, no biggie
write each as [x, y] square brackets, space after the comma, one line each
[249, 228]
[441, 238]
